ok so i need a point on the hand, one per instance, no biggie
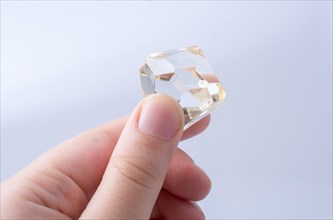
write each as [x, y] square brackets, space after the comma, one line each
[129, 168]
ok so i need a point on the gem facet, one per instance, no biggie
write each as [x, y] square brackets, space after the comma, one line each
[186, 76]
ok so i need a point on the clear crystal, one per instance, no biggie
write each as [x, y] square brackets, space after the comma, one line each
[185, 75]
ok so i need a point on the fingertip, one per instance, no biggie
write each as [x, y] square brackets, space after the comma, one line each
[160, 116]
[197, 128]
[185, 179]
[172, 207]
[197, 184]
[206, 184]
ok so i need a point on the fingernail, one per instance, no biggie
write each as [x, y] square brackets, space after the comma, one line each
[160, 116]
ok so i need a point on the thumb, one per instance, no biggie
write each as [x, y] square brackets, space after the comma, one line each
[139, 162]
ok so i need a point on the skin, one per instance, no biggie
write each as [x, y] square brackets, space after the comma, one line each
[115, 171]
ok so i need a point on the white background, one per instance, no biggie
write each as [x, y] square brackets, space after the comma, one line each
[70, 66]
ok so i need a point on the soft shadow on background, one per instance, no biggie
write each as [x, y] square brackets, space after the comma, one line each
[70, 66]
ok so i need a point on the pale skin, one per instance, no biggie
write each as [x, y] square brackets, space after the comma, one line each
[129, 168]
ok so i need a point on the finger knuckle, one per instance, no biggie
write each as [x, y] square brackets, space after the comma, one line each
[136, 170]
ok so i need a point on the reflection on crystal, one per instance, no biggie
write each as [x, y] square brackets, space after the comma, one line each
[181, 75]
[164, 77]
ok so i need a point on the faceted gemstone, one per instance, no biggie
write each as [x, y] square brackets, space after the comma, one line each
[185, 75]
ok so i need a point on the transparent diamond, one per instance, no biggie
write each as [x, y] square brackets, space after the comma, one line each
[185, 75]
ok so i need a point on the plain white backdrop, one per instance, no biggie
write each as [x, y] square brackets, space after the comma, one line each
[70, 66]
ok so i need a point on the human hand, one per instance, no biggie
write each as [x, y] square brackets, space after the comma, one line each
[129, 168]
